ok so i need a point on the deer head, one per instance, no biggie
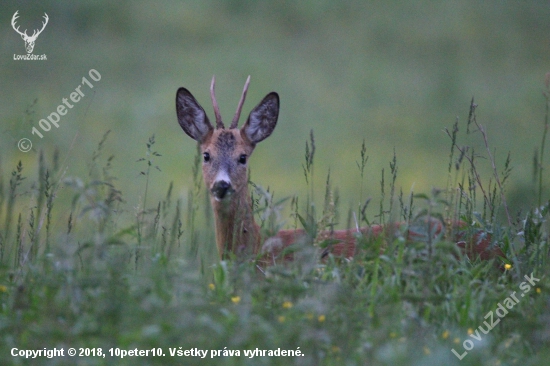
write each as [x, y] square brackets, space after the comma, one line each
[225, 155]
[226, 151]
[29, 40]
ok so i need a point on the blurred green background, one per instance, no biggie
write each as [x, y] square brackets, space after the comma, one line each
[394, 73]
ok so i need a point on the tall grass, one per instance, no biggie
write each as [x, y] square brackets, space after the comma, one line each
[79, 268]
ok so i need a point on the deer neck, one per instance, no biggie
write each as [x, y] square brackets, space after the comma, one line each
[236, 230]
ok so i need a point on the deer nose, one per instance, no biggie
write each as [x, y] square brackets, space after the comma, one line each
[220, 189]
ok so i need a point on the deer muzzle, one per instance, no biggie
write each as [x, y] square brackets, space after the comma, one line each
[221, 189]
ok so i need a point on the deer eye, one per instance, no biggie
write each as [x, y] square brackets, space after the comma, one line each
[242, 159]
[206, 157]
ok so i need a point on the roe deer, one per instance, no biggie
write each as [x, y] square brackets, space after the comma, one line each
[225, 157]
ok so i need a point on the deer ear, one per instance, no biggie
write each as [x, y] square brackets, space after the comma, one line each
[191, 115]
[263, 119]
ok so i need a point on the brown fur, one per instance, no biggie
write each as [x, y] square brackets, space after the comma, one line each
[345, 241]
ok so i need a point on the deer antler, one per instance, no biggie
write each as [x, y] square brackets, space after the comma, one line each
[35, 35]
[235, 121]
[13, 19]
[219, 123]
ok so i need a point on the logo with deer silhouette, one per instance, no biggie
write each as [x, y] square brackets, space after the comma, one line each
[29, 40]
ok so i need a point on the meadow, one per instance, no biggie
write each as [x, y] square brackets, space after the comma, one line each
[117, 280]
[405, 110]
